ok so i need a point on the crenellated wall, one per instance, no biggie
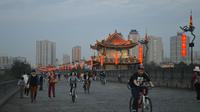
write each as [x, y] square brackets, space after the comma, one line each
[161, 78]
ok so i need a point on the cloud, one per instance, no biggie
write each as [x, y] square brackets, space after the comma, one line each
[93, 19]
[50, 10]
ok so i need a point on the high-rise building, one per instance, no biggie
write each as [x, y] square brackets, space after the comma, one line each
[76, 54]
[175, 49]
[66, 59]
[134, 36]
[45, 53]
[155, 50]
[5, 62]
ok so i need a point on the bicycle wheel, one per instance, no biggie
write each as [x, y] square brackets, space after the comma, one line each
[73, 95]
[88, 88]
[131, 105]
[105, 81]
[84, 88]
[73, 98]
[147, 105]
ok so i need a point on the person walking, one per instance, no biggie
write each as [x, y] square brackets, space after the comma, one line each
[33, 83]
[59, 76]
[41, 81]
[52, 81]
[119, 78]
[196, 82]
[26, 90]
[21, 85]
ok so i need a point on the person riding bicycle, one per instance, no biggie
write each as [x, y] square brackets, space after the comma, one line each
[73, 80]
[136, 81]
[86, 79]
[102, 75]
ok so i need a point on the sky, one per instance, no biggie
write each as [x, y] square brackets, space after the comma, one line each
[82, 22]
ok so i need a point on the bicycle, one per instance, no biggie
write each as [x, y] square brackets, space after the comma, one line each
[73, 93]
[86, 86]
[144, 103]
[103, 80]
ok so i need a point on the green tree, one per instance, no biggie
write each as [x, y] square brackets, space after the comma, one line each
[20, 68]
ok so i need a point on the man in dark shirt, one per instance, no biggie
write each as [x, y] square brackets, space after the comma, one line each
[41, 81]
[136, 81]
[33, 82]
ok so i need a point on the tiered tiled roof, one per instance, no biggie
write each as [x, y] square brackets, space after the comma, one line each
[115, 41]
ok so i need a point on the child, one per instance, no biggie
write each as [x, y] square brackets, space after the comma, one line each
[21, 85]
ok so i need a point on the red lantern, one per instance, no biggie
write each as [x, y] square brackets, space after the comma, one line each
[140, 57]
[70, 67]
[116, 58]
[184, 45]
[65, 67]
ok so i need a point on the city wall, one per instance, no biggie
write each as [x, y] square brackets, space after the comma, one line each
[162, 77]
[7, 90]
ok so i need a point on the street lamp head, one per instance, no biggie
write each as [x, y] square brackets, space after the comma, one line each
[185, 28]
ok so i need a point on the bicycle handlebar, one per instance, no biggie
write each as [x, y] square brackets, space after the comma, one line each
[148, 86]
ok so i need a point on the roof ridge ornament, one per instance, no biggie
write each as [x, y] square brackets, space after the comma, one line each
[115, 30]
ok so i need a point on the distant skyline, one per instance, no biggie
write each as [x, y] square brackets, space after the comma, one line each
[81, 22]
[45, 53]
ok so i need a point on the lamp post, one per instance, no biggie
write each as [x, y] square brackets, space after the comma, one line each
[190, 29]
